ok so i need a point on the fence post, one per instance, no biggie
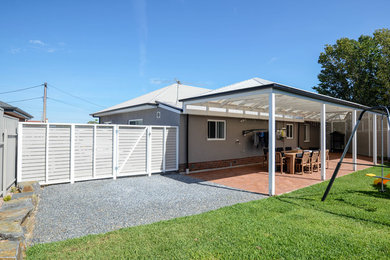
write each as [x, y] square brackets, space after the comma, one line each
[114, 151]
[19, 147]
[177, 147]
[4, 170]
[94, 152]
[72, 134]
[47, 154]
[149, 151]
[164, 140]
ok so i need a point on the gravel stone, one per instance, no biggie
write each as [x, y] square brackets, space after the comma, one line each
[91, 207]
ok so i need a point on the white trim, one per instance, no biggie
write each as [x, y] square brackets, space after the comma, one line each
[271, 144]
[306, 133]
[216, 130]
[108, 122]
[292, 131]
[135, 120]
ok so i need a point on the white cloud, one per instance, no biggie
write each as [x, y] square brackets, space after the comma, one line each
[51, 50]
[37, 42]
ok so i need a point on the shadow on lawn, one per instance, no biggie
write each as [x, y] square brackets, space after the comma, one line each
[190, 180]
[316, 205]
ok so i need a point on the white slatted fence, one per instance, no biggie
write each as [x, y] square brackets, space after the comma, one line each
[59, 153]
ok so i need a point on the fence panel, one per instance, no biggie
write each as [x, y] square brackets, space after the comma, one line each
[8, 134]
[56, 153]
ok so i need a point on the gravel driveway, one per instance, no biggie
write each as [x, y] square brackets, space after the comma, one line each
[74, 210]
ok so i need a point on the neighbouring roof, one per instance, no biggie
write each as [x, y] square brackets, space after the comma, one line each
[169, 95]
[15, 111]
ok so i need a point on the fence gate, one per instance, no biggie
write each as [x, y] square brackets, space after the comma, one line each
[57, 153]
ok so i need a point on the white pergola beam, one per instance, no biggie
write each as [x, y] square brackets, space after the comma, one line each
[271, 144]
[354, 142]
[323, 141]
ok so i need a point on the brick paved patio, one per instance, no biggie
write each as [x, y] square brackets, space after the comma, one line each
[255, 178]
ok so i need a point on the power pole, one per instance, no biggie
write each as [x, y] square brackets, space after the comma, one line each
[44, 119]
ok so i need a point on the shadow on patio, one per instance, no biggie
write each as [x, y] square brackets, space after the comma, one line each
[254, 178]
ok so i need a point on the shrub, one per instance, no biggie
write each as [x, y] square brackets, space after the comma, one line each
[7, 198]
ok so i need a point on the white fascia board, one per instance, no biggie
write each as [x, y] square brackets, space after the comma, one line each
[125, 110]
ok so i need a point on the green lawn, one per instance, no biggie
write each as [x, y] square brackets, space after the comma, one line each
[354, 222]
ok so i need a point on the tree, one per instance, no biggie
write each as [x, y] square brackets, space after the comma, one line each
[93, 121]
[357, 70]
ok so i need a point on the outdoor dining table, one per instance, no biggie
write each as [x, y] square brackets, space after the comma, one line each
[291, 157]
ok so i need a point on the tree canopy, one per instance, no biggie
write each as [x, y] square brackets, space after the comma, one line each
[357, 70]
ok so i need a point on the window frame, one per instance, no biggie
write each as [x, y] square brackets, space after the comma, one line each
[292, 131]
[306, 133]
[216, 130]
[135, 120]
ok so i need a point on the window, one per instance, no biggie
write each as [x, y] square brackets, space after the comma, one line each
[216, 130]
[289, 131]
[306, 133]
[158, 114]
[135, 122]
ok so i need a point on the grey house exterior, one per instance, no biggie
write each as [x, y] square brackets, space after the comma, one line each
[197, 151]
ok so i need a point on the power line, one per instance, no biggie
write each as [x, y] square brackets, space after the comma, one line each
[83, 99]
[21, 89]
[66, 103]
[24, 100]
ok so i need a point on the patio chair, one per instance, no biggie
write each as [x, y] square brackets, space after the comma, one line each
[315, 161]
[280, 160]
[288, 148]
[302, 163]
[265, 157]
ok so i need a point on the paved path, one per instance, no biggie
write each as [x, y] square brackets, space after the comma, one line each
[91, 207]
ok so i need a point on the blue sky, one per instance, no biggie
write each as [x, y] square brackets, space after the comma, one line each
[112, 51]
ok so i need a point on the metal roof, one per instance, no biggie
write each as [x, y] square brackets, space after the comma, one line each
[12, 109]
[169, 95]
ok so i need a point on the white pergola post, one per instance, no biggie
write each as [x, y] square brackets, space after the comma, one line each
[354, 142]
[323, 141]
[271, 144]
[374, 140]
[388, 137]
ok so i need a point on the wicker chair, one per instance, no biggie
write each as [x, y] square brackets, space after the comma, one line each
[303, 163]
[279, 160]
[315, 161]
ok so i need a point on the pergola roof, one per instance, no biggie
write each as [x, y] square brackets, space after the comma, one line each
[249, 99]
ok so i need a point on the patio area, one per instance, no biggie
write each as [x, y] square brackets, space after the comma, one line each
[254, 178]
